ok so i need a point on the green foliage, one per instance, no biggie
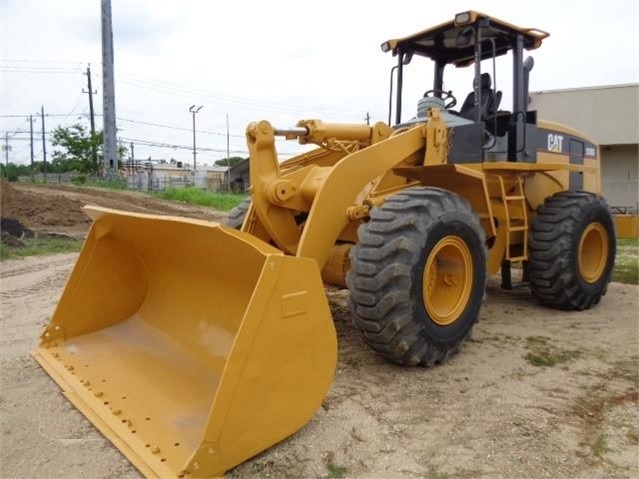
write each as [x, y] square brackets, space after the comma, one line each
[195, 196]
[79, 180]
[13, 171]
[234, 161]
[76, 149]
[40, 246]
[335, 471]
[114, 184]
[434, 473]
[541, 353]
[600, 447]
[627, 261]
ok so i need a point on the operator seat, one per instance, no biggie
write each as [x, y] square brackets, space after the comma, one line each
[489, 100]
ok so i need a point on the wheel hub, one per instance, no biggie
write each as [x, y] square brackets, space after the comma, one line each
[447, 280]
[593, 252]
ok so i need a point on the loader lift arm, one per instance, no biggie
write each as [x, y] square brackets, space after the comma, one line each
[325, 193]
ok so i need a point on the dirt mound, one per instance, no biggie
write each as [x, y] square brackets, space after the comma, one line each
[58, 208]
[38, 213]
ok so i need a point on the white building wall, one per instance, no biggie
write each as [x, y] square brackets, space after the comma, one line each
[609, 116]
[620, 175]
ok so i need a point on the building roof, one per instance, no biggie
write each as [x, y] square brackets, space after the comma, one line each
[586, 88]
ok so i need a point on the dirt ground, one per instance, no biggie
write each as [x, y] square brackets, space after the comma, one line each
[58, 209]
[499, 409]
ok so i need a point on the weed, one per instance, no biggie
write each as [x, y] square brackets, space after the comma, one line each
[434, 473]
[600, 447]
[113, 184]
[549, 358]
[335, 471]
[196, 196]
[627, 261]
[543, 354]
[40, 246]
[537, 340]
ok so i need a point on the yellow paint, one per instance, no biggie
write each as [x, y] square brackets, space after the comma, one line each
[593, 252]
[626, 226]
[447, 280]
[191, 346]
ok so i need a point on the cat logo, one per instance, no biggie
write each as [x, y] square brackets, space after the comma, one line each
[555, 142]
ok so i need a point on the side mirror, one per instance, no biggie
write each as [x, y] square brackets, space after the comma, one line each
[529, 63]
[406, 59]
[464, 37]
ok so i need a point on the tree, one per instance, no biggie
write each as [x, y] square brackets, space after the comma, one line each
[234, 161]
[13, 171]
[76, 147]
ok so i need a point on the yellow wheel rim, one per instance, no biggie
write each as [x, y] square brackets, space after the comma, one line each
[593, 252]
[447, 280]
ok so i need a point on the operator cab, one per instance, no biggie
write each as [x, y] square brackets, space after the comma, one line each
[481, 128]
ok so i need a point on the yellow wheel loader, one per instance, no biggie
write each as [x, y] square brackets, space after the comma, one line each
[193, 346]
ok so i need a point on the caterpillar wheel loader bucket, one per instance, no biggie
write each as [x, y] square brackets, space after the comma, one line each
[191, 346]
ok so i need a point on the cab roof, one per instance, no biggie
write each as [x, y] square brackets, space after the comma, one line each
[441, 44]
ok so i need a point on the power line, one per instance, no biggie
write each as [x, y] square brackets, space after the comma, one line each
[11, 70]
[227, 100]
[177, 127]
[129, 120]
[41, 61]
[160, 144]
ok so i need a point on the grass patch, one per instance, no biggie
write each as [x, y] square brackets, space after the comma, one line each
[598, 399]
[40, 246]
[627, 261]
[335, 471]
[111, 184]
[195, 196]
[600, 447]
[543, 354]
[434, 473]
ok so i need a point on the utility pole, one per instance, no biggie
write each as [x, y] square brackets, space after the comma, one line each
[368, 118]
[194, 110]
[31, 133]
[132, 157]
[94, 153]
[228, 155]
[44, 145]
[6, 154]
[108, 93]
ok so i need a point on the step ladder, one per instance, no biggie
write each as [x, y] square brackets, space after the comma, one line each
[515, 225]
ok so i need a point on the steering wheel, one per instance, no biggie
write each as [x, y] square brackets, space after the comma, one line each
[446, 96]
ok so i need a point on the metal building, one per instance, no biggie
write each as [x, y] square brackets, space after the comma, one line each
[608, 114]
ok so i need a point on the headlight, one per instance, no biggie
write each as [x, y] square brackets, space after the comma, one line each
[385, 47]
[462, 18]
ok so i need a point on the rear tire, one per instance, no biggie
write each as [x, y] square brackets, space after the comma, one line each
[572, 250]
[237, 214]
[418, 275]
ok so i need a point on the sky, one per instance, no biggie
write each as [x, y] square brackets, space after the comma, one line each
[281, 61]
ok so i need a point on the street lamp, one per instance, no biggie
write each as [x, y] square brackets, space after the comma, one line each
[193, 109]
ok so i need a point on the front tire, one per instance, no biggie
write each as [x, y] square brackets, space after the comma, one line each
[237, 214]
[418, 275]
[572, 250]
